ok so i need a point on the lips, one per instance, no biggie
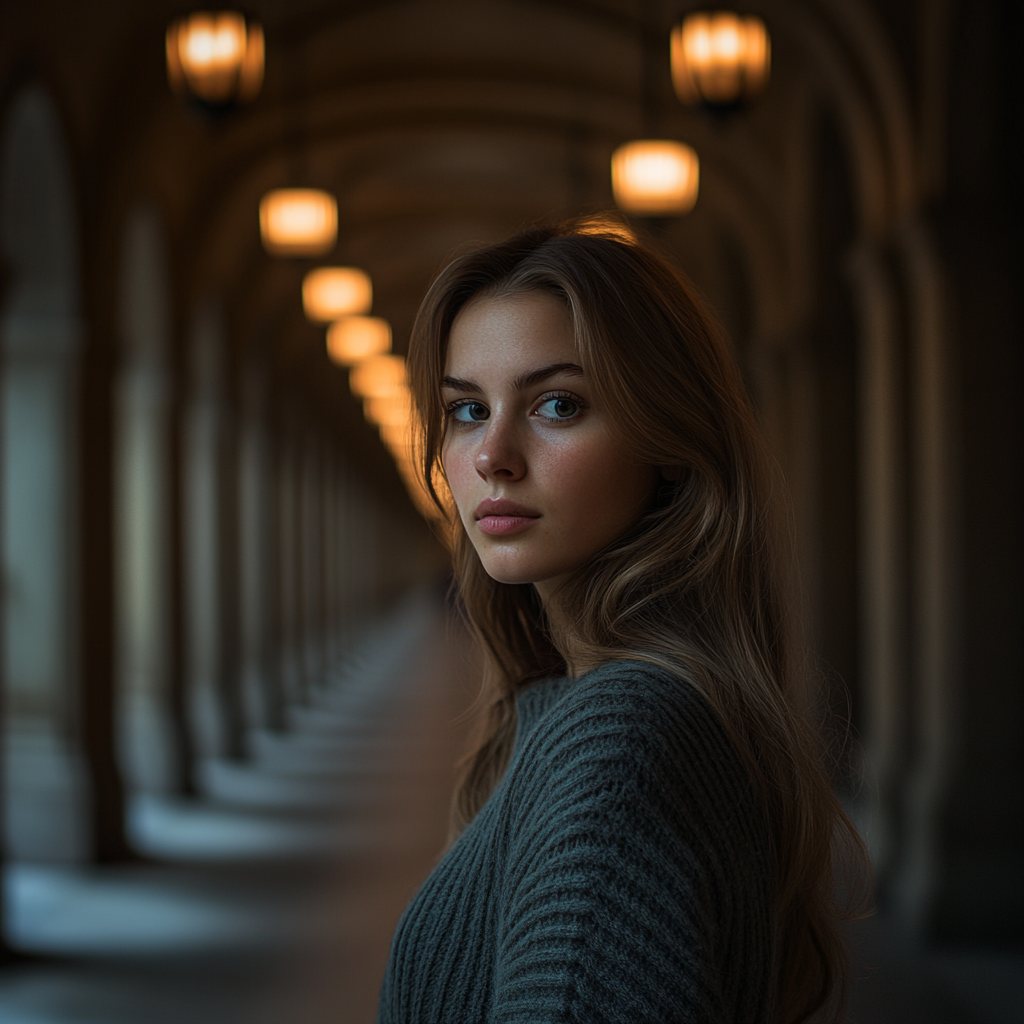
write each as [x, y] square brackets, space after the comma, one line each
[499, 516]
[503, 507]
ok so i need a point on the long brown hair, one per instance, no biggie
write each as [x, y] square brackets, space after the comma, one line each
[693, 586]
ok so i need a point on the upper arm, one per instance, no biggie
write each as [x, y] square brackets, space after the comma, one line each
[608, 907]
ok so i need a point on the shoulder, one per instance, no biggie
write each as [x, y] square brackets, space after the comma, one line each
[629, 730]
[636, 687]
[632, 706]
[635, 860]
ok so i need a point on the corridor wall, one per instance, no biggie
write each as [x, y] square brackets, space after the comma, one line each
[142, 435]
[40, 333]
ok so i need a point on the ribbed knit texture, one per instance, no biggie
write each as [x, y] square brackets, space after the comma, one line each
[620, 872]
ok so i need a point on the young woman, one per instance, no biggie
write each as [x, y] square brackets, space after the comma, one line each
[645, 831]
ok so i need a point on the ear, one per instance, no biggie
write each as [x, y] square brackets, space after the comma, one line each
[670, 472]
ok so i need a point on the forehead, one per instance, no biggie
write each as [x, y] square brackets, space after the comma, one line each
[510, 332]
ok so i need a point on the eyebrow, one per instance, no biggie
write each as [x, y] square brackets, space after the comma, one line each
[523, 381]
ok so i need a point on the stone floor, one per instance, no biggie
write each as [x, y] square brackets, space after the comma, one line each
[273, 899]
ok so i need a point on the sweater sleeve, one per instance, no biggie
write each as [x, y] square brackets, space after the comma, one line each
[626, 888]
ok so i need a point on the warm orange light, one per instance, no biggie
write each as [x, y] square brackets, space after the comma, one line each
[406, 466]
[378, 377]
[720, 58]
[354, 338]
[394, 410]
[216, 56]
[398, 438]
[655, 177]
[298, 221]
[606, 227]
[329, 293]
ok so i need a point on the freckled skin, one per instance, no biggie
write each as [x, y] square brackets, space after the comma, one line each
[546, 446]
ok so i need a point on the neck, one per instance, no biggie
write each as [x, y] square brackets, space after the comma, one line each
[576, 662]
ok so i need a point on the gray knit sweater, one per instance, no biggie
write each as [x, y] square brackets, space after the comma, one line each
[621, 871]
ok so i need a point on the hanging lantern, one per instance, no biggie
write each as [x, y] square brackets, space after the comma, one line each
[329, 293]
[720, 58]
[398, 438]
[216, 56]
[355, 338]
[655, 177]
[394, 410]
[298, 222]
[399, 442]
[379, 377]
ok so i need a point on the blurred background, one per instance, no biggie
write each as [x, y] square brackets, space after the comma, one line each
[233, 694]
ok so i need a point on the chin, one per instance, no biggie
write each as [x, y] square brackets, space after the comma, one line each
[509, 576]
[509, 570]
[515, 572]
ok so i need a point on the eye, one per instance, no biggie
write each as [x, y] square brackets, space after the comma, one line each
[469, 412]
[559, 407]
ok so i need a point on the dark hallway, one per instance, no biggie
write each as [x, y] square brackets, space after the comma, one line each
[233, 693]
[274, 898]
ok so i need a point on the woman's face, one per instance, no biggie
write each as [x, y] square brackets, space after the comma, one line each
[539, 476]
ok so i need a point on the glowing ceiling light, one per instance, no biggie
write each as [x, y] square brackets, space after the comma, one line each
[393, 410]
[655, 177]
[354, 338]
[298, 221]
[329, 293]
[719, 58]
[398, 438]
[216, 56]
[379, 377]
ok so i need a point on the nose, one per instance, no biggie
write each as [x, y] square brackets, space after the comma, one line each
[500, 455]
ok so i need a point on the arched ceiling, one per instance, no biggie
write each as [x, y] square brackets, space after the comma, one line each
[442, 122]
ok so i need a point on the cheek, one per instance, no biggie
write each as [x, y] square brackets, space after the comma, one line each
[459, 471]
[601, 487]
